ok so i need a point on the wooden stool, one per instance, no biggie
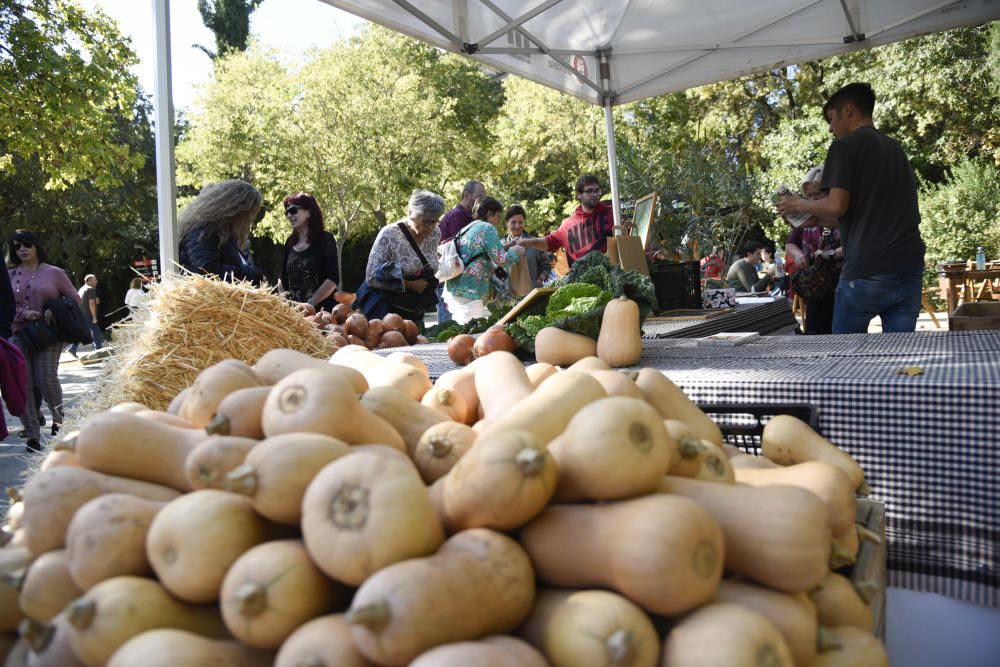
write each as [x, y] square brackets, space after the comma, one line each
[926, 303]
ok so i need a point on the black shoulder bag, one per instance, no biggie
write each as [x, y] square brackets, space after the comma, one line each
[417, 302]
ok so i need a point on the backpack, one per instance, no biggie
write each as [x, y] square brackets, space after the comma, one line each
[450, 262]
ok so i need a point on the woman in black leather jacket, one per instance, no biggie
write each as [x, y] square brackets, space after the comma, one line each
[215, 231]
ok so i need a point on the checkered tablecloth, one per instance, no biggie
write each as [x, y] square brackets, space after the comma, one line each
[763, 318]
[929, 443]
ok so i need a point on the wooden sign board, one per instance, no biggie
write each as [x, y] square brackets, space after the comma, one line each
[526, 302]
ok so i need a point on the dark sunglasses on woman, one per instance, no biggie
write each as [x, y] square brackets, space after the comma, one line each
[291, 210]
[17, 245]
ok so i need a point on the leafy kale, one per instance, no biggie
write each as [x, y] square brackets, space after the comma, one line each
[575, 298]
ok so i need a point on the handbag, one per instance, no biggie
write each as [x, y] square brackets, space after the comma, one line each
[69, 321]
[816, 282]
[36, 336]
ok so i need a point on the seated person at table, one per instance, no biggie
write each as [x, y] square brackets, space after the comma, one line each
[767, 266]
[742, 275]
[587, 229]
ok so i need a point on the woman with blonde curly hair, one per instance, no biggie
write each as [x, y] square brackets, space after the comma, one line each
[215, 231]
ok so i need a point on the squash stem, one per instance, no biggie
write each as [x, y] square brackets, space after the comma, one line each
[242, 479]
[440, 447]
[866, 589]
[219, 425]
[80, 613]
[374, 616]
[67, 444]
[530, 461]
[620, 648]
[252, 599]
[869, 535]
[690, 448]
[349, 507]
[36, 634]
[827, 640]
[14, 494]
[839, 556]
[291, 399]
[864, 490]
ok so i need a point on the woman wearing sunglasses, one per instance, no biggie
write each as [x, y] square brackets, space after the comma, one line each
[215, 232]
[309, 269]
[35, 282]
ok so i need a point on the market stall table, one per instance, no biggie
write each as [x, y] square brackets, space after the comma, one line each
[929, 441]
[774, 317]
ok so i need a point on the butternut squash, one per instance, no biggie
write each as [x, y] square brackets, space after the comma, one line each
[846, 545]
[212, 385]
[364, 512]
[787, 440]
[501, 483]
[838, 604]
[725, 634]
[616, 448]
[619, 342]
[448, 402]
[410, 418]
[177, 401]
[275, 365]
[115, 610]
[748, 461]
[239, 413]
[590, 629]
[107, 538]
[478, 583]
[49, 642]
[858, 649]
[501, 382]
[60, 457]
[13, 562]
[274, 588]
[47, 586]
[590, 364]
[165, 418]
[51, 498]
[828, 482]
[440, 447]
[496, 651]
[699, 459]
[793, 615]
[463, 382]
[128, 406]
[562, 348]
[776, 535]
[207, 464]
[617, 383]
[672, 403]
[409, 359]
[172, 648]
[312, 401]
[537, 372]
[381, 372]
[276, 473]
[109, 442]
[194, 540]
[547, 412]
[322, 642]
[663, 552]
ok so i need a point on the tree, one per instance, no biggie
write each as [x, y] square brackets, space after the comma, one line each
[65, 73]
[230, 21]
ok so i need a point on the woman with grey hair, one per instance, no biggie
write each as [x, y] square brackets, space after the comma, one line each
[399, 277]
[215, 231]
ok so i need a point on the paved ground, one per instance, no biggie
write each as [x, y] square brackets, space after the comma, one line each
[78, 379]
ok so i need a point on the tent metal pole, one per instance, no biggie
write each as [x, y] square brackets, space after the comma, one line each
[609, 127]
[163, 105]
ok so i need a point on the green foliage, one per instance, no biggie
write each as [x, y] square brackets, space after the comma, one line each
[961, 214]
[575, 298]
[65, 76]
[230, 21]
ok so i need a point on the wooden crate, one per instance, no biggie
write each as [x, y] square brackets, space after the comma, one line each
[871, 563]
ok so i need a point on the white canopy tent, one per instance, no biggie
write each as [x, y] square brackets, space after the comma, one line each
[611, 52]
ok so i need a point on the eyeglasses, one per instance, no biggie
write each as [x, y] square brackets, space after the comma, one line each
[428, 223]
[592, 191]
[17, 245]
[291, 210]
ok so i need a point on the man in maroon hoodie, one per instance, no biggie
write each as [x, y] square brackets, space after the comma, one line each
[587, 229]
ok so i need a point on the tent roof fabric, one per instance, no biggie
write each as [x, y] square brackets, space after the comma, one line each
[650, 47]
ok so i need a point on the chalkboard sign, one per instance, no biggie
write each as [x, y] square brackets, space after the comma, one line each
[642, 220]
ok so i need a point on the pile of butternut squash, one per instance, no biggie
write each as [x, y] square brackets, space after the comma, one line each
[305, 513]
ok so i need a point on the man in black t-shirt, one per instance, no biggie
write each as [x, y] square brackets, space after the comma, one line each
[872, 194]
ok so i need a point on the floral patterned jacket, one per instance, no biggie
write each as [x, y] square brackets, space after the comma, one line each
[477, 238]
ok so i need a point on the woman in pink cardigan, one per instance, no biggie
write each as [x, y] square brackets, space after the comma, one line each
[35, 282]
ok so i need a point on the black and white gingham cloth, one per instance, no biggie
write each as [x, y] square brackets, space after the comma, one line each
[763, 318]
[929, 443]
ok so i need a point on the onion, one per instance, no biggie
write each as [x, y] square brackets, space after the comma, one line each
[356, 325]
[337, 328]
[493, 340]
[338, 339]
[422, 340]
[460, 349]
[410, 331]
[375, 331]
[354, 340]
[393, 322]
[325, 318]
[341, 312]
[392, 339]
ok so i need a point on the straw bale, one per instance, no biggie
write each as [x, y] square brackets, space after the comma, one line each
[189, 323]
